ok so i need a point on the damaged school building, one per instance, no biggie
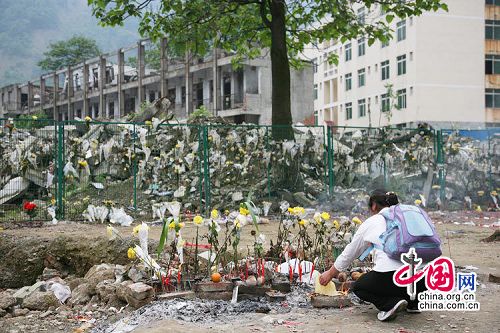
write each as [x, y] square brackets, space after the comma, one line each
[117, 84]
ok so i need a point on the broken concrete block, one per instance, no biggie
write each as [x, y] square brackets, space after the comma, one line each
[6, 300]
[40, 300]
[139, 294]
[140, 290]
[24, 292]
[80, 295]
[322, 301]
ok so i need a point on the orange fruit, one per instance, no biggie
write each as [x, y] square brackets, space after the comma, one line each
[216, 277]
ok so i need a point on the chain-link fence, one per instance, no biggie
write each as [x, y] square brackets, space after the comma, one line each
[71, 165]
[28, 185]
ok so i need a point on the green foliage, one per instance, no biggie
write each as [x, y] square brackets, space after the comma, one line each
[35, 120]
[201, 112]
[69, 53]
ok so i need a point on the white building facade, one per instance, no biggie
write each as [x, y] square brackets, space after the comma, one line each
[432, 71]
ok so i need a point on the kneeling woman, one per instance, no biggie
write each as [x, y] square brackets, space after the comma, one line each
[376, 286]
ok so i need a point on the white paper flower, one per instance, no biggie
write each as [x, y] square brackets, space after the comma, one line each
[174, 207]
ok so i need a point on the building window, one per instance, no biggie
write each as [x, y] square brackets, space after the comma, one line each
[492, 65]
[361, 47]
[402, 64]
[385, 104]
[315, 92]
[348, 81]
[384, 69]
[361, 77]
[348, 52]
[348, 111]
[401, 30]
[493, 2]
[493, 98]
[315, 65]
[401, 99]
[316, 118]
[492, 29]
[361, 108]
[361, 15]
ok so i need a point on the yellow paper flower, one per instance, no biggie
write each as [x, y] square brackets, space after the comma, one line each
[171, 225]
[244, 211]
[87, 119]
[34, 117]
[418, 202]
[325, 216]
[177, 146]
[198, 220]
[478, 209]
[83, 163]
[303, 222]
[317, 218]
[356, 220]
[336, 224]
[181, 225]
[109, 231]
[131, 253]
[53, 201]
[237, 224]
[148, 123]
[214, 214]
[136, 229]
[226, 212]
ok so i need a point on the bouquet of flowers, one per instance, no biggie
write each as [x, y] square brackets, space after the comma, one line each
[30, 209]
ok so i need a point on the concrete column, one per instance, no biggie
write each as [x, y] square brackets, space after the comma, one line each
[189, 84]
[56, 93]
[140, 72]
[71, 111]
[42, 92]
[164, 68]
[215, 80]
[30, 96]
[102, 83]
[85, 87]
[120, 80]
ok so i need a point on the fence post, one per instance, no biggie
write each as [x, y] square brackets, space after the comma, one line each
[60, 165]
[440, 164]
[331, 180]
[134, 168]
[201, 163]
[490, 180]
[206, 168]
[268, 165]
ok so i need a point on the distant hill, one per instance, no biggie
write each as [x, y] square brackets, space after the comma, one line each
[28, 26]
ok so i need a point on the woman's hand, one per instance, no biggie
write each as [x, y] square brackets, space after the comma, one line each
[327, 276]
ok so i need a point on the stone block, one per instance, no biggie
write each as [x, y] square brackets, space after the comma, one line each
[322, 301]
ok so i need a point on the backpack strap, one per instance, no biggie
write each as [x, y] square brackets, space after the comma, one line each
[368, 250]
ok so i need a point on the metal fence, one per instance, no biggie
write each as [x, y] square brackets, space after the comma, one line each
[71, 165]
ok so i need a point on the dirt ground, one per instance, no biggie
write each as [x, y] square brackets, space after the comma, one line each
[461, 242]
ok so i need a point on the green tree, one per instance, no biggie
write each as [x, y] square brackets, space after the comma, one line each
[245, 26]
[69, 53]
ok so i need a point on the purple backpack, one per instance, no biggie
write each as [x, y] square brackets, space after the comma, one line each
[409, 227]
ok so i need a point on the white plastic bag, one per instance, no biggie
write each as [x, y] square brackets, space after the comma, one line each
[61, 291]
[118, 215]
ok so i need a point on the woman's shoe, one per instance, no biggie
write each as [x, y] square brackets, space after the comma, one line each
[392, 313]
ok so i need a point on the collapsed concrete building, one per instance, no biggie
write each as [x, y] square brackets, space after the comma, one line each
[118, 83]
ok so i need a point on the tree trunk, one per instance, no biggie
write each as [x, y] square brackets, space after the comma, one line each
[280, 69]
